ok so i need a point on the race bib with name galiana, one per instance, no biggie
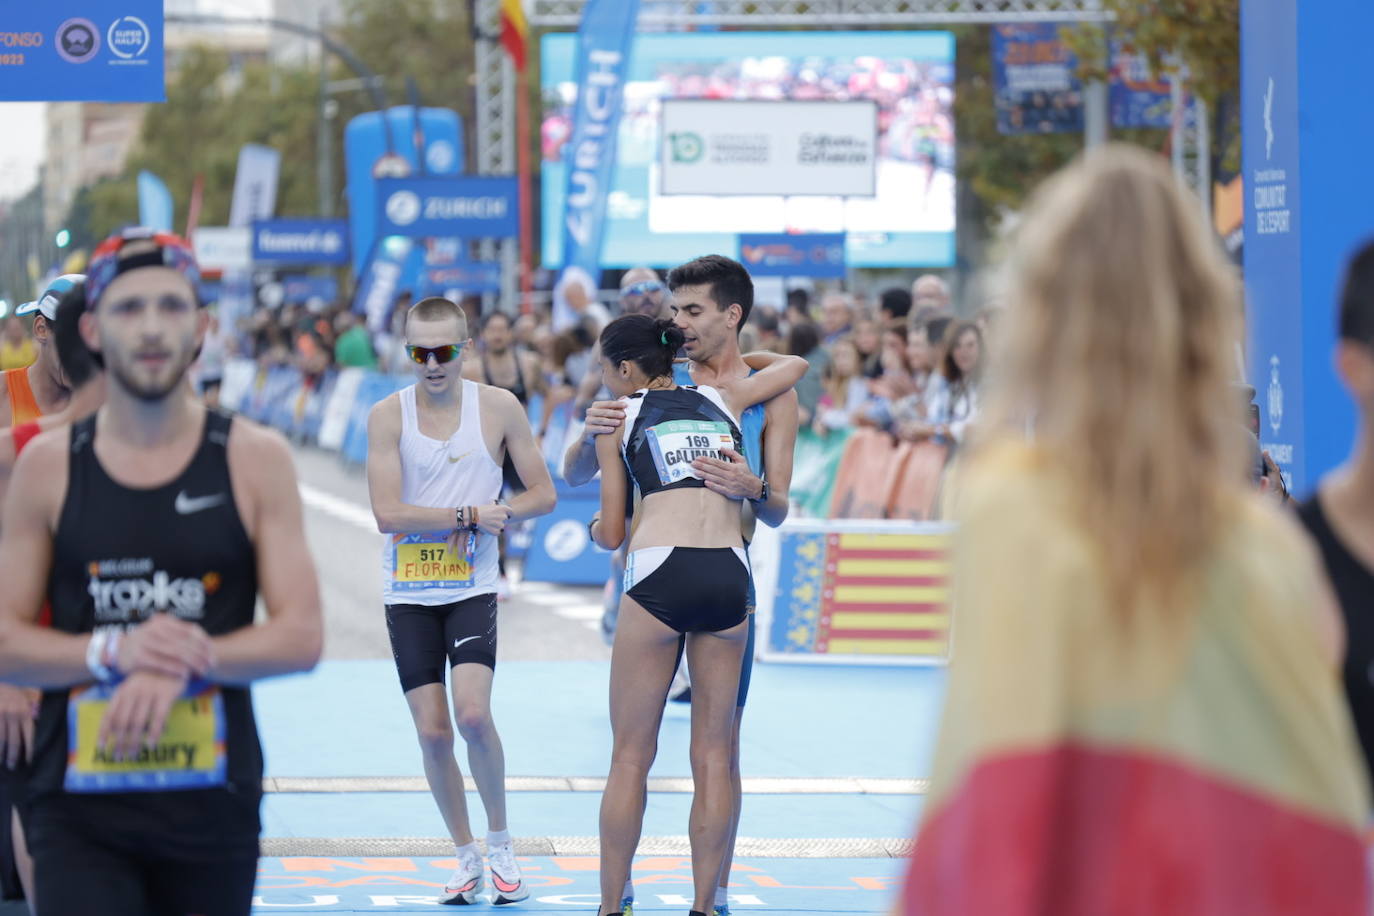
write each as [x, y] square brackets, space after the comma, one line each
[675, 444]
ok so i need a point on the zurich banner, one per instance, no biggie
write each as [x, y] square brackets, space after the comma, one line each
[602, 65]
[470, 208]
[784, 255]
[472, 277]
[69, 51]
[397, 143]
[301, 241]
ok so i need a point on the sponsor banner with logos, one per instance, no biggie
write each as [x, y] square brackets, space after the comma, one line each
[397, 143]
[822, 148]
[1273, 229]
[223, 247]
[302, 288]
[301, 241]
[1033, 75]
[381, 279]
[67, 51]
[475, 277]
[482, 207]
[781, 255]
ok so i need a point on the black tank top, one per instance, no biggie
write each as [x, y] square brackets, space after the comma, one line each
[669, 429]
[1354, 585]
[518, 389]
[120, 555]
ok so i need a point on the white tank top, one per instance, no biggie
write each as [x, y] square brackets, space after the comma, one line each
[459, 471]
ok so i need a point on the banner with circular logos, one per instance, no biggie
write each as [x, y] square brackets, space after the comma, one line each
[74, 51]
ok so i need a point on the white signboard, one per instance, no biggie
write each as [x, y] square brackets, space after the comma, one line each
[784, 148]
[223, 247]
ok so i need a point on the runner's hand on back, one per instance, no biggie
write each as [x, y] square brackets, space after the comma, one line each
[168, 645]
[605, 417]
[16, 724]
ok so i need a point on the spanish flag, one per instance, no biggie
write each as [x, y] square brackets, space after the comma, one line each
[514, 32]
[1195, 759]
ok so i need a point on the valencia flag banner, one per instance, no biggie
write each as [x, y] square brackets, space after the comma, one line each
[515, 30]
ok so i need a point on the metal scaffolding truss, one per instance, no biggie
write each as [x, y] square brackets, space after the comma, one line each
[657, 15]
[494, 144]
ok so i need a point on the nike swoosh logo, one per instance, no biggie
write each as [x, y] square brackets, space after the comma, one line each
[503, 885]
[452, 460]
[459, 642]
[188, 505]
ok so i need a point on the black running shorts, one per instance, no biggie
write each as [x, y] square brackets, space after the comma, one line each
[426, 640]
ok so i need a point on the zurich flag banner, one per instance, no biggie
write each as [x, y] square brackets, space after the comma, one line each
[154, 202]
[69, 51]
[603, 62]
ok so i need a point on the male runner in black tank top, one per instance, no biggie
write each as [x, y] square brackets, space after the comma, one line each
[1340, 516]
[151, 528]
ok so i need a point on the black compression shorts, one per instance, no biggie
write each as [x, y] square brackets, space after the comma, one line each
[424, 638]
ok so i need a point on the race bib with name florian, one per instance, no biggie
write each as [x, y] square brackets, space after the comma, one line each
[188, 755]
[424, 561]
[675, 444]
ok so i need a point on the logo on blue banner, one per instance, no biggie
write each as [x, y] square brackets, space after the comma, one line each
[475, 277]
[603, 52]
[1273, 251]
[68, 51]
[301, 241]
[783, 255]
[1036, 91]
[303, 288]
[447, 207]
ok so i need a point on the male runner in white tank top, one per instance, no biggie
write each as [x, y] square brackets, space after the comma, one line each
[434, 473]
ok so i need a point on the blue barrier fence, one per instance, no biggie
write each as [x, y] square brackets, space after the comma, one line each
[330, 411]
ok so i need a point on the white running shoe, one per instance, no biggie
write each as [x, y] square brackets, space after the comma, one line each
[465, 883]
[505, 875]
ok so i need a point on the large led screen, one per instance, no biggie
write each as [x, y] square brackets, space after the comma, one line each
[908, 222]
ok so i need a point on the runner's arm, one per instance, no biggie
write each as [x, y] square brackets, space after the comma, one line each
[608, 525]
[384, 478]
[30, 654]
[590, 384]
[779, 447]
[538, 498]
[293, 634]
[579, 462]
[781, 373]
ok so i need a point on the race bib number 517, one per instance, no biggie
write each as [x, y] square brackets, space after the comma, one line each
[426, 561]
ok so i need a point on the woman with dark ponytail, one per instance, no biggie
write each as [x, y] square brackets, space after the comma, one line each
[686, 575]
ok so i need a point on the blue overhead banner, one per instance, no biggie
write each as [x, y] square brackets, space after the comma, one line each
[301, 241]
[81, 51]
[789, 255]
[471, 208]
[1036, 91]
[401, 145]
[602, 63]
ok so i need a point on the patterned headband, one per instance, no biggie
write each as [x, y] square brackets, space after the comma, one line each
[107, 263]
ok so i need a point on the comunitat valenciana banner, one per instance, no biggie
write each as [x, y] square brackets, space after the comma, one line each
[603, 54]
[793, 148]
[81, 51]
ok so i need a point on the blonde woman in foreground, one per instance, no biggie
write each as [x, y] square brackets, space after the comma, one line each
[1144, 714]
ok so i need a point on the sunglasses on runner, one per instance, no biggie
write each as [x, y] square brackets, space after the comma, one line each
[444, 354]
[642, 288]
